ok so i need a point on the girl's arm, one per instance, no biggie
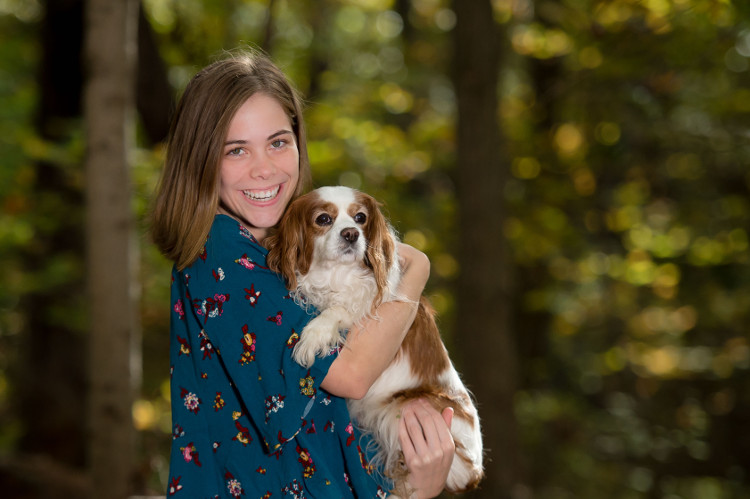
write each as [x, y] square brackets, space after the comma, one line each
[373, 344]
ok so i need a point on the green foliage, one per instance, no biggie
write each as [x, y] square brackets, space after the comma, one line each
[17, 100]
[630, 209]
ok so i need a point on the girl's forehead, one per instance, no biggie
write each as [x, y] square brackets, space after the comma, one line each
[260, 113]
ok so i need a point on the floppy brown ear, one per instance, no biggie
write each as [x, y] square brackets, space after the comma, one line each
[288, 249]
[381, 247]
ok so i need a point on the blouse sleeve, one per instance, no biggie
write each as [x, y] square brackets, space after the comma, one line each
[250, 322]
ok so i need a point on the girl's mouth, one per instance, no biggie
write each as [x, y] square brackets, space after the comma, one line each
[262, 195]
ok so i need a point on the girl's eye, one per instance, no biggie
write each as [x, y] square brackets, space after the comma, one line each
[323, 220]
[234, 152]
[278, 143]
[360, 218]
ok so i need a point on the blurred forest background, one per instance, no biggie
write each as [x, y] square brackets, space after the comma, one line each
[577, 171]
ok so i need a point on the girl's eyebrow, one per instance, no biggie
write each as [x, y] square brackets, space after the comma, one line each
[270, 137]
[280, 132]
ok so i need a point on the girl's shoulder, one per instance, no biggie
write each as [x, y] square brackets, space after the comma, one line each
[228, 231]
[230, 241]
[229, 255]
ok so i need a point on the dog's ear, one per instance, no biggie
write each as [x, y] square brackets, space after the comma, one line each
[381, 246]
[289, 251]
[272, 243]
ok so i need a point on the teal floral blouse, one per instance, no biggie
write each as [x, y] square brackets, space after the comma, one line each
[247, 420]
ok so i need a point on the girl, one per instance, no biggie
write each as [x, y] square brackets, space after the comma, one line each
[247, 420]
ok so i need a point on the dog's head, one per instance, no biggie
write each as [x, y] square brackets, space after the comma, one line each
[331, 226]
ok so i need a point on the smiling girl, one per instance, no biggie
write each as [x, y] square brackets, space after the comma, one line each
[247, 420]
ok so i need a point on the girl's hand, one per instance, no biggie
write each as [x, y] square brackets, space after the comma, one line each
[428, 447]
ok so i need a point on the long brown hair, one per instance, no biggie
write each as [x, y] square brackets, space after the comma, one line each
[187, 197]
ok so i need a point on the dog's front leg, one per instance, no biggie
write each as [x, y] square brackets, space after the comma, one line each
[321, 334]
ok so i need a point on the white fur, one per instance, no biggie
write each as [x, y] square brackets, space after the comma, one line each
[337, 314]
[337, 284]
[343, 290]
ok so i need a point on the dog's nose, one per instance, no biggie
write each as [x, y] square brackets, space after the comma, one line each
[350, 234]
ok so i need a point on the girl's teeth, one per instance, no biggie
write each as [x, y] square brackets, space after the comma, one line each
[261, 195]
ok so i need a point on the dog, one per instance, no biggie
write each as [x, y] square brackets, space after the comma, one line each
[337, 253]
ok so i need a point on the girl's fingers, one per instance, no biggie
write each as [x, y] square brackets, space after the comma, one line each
[448, 416]
[407, 446]
[428, 431]
[435, 426]
[413, 419]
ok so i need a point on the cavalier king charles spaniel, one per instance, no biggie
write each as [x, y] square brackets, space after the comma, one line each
[338, 254]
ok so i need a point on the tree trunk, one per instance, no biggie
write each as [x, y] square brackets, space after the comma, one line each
[487, 354]
[108, 110]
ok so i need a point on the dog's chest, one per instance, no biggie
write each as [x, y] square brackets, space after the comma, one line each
[350, 287]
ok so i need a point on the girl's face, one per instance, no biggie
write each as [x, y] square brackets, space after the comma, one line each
[259, 166]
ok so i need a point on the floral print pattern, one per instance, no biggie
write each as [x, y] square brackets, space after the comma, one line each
[247, 420]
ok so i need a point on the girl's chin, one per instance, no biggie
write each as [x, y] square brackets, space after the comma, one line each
[260, 222]
[253, 215]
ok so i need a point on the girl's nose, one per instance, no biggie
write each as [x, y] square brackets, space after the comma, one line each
[262, 167]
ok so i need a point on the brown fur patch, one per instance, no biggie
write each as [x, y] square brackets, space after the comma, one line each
[438, 398]
[380, 245]
[290, 247]
[423, 346]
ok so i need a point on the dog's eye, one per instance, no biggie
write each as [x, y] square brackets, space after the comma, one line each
[324, 219]
[360, 218]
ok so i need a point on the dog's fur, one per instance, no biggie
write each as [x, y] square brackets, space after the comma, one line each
[338, 253]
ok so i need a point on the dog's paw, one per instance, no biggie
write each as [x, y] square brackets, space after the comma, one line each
[305, 352]
[318, 338]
